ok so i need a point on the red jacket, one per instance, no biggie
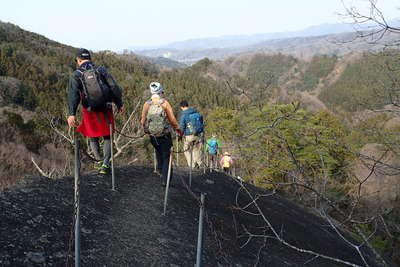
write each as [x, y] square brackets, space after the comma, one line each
[96, 124]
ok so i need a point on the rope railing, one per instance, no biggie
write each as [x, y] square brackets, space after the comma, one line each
[207, 163]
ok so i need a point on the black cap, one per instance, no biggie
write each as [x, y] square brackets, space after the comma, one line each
[184, 103]
[83, 53]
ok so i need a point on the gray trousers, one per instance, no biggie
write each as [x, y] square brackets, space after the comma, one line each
[95, 146]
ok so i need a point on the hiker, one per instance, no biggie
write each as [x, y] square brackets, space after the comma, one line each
[213, 147]
[191, 123]
[157, 119]
[227, 162]
[96, 90]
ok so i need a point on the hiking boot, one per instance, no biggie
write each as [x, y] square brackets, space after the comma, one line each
[104, 169]
[97, 165]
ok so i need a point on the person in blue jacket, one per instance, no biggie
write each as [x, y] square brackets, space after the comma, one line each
[191, 123]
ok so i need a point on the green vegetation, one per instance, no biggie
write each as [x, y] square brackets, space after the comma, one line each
[268, 69]
[20, 129]
[315, 70]
[365, 83]
[282, 140]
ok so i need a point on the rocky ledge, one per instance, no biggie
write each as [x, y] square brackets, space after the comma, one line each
[126, 227]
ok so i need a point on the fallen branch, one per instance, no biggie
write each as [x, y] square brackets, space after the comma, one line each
[39, 169]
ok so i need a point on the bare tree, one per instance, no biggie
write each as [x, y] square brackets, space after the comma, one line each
[369, 23]
[63, 138]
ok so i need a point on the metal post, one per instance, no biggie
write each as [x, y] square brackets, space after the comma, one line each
[200, 233]
[112, 158]
[191, 166]
[168, 181]
[77, 207]
[155, 160]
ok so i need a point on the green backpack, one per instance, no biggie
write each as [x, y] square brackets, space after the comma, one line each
[157, 121]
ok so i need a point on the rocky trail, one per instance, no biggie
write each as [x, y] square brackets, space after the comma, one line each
[126, 227]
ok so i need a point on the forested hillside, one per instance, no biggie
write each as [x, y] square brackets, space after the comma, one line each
[34, 73]
[333, 155]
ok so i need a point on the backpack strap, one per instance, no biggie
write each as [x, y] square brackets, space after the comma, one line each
[150, 102]
[79, 75]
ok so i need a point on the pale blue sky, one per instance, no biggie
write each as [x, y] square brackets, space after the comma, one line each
[118, 24]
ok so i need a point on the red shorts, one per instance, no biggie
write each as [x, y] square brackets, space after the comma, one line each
[96, 124]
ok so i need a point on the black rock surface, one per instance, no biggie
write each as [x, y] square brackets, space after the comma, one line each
[126, 227]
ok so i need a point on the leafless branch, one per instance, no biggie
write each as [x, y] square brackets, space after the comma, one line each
[283, 241]
[39, 169]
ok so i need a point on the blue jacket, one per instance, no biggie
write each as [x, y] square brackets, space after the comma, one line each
[185, 119]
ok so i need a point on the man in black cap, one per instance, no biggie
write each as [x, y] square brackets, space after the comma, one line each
[96, 90]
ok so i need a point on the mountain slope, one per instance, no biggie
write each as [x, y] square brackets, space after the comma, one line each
[34, 75]
[126, 228]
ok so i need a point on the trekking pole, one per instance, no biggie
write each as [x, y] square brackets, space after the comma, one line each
[204, 165]
[112, 158]
[177, 149]
[200, 233]
[155, 160]
[77, 207]
[210, 162]
[168, 181]
[191, 166]
[203, 156]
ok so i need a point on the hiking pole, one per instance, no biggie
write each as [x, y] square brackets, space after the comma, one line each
[203, 156]
[200, 233]
[168, 181]
[112, 159]
[204, 164]
[211, 160]
[177, 149]
[191, 166]
[155, 160]
[77, 206]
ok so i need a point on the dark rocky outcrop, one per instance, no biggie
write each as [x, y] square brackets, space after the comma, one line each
[126, 227]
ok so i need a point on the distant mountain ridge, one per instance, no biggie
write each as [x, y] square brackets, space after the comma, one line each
[229, 41]
[331, 39]
[301, 47]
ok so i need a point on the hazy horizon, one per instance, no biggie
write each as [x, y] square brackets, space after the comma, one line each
[120, 24]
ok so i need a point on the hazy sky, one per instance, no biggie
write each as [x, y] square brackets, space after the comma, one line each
[118, 24]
